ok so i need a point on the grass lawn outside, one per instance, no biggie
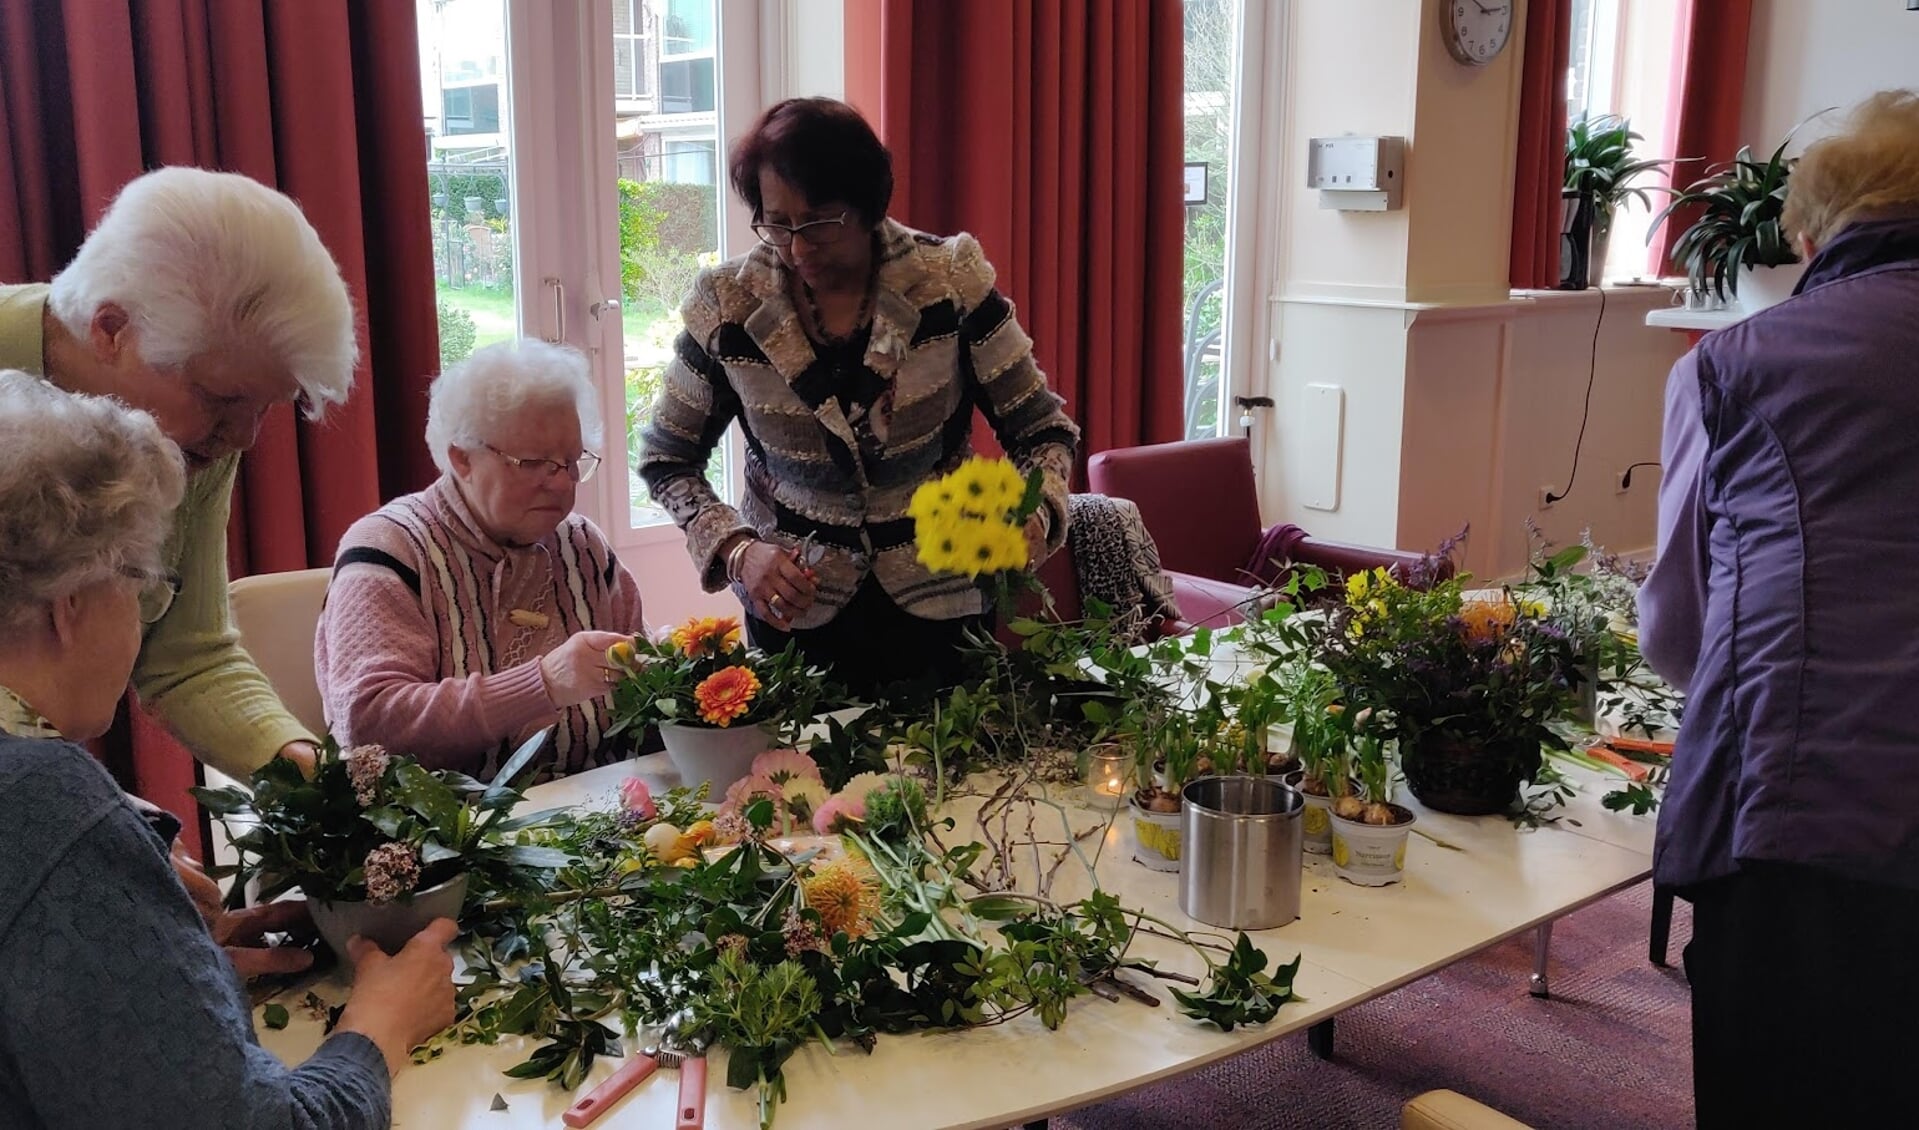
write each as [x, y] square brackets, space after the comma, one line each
[495, 318]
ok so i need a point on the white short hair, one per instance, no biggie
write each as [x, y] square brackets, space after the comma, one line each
[87, 487]
[471, 402]
[199, 260]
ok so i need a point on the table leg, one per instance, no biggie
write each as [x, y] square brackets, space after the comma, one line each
[1542, 947]
[1319, 1039]
[1661, 924]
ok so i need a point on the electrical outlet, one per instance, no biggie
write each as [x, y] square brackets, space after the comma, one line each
[1545, 497]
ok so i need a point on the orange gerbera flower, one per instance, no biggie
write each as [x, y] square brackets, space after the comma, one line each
[707, 635]
[726, 694]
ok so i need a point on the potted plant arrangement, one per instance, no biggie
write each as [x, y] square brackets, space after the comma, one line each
[1466, 685]
[1167, 751]
[1601, 169]
[718, 703]
[1369, 830]
[1738, 248]
[379, 845]
[1319, 744]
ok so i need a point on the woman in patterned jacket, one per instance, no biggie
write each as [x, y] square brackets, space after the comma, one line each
[853, 352]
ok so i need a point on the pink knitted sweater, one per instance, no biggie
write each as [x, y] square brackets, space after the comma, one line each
[432, 634]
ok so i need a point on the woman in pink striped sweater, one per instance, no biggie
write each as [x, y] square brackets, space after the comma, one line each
[465, 617]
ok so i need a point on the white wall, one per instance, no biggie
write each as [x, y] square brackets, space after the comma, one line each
[1460, 402]
[1807, 55]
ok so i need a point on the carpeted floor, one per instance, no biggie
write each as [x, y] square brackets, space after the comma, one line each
[1610, 1049]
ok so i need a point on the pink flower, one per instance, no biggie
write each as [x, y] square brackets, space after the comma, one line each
[638, 798]
[838, 814]
[392, 870]
[782, 765]
[743, 792]
[366, 767]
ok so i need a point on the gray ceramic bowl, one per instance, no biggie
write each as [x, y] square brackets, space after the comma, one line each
[392, 925]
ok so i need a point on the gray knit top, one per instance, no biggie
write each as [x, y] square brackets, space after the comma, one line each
[117, 1008]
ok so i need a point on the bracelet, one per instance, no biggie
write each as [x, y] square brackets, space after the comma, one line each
[733, 558]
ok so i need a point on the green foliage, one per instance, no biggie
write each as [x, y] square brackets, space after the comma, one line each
[1636, 797]
[450, 191]
[457, 334]
[1739, 224]
[729, 952]
[661, 680]
[1599, 163]
[664, 228]
[1241, 992]
[289, 831]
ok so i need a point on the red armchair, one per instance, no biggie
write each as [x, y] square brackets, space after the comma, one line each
[1198, 501]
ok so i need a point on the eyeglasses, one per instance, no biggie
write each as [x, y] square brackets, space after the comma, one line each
[157, 592]
[579, 470]
[818, 233]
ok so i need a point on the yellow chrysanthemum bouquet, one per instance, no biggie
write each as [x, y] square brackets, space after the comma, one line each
[972, 521]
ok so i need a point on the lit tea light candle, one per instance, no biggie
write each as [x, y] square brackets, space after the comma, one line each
[1107, 771]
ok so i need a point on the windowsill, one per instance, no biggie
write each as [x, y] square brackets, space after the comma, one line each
[1658, 291]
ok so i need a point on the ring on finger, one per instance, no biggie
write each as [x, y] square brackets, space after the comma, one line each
[773, 604]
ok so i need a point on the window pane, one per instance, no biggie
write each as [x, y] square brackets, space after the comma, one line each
[463, 86]
[688, 27]
[669, 218]
[1211, 43]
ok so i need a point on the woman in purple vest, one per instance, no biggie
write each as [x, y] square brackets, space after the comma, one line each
[1786, 602]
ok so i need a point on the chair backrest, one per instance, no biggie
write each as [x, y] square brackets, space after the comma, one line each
[276, 615]
[1196, 497]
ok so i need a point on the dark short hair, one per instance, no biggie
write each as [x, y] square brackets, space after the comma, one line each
[823, 148]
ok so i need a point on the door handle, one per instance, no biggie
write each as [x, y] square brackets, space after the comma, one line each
[559, 309]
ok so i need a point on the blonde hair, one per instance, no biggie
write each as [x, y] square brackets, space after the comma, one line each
[88, 487]
[471, 402]
[1869, 168]
[200, 260]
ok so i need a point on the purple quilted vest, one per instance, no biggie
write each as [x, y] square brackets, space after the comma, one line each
[1801, 739]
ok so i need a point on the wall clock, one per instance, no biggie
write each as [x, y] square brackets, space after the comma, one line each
[1475, 31]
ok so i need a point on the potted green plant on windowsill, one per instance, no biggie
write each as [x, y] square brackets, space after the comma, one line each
[379, 845]
[1738, 247]
[1600, 167]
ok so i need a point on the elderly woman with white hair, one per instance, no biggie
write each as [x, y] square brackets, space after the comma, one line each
[466, 617]
[100, 946]
[1783, 604]
[204, 299]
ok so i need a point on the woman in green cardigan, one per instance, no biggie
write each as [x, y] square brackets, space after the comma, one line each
[205, 299]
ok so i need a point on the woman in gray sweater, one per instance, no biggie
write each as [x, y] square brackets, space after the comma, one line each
[117, 1007]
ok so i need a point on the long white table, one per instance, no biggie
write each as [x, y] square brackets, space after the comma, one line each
[1355, 943]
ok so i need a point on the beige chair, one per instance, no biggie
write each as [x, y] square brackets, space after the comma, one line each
[1450, 1110]
[276, 614]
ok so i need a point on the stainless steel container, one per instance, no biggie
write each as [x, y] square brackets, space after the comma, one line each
[1241, 852]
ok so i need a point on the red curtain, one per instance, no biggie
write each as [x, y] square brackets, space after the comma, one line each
[1540, 171]
[319, 100]
[1054, 131]
[1708, 89]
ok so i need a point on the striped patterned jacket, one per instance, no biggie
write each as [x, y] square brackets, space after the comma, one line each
[432, 634]
[943, 341]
